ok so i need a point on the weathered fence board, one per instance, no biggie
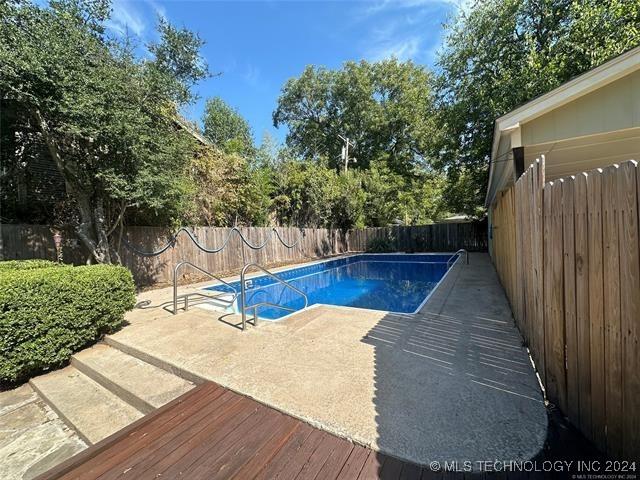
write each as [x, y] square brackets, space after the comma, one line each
[439, 237]
[579, 237]
[628, 197]
[596, 305]
[36, 241]
[571, 328]
[582, 301]
[611, 277]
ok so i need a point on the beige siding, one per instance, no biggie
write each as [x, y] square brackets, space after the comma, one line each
[613, 107]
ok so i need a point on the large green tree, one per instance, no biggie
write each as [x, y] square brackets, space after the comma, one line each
[227, 129]
[502, 53]
[384, 107]
[105, 116]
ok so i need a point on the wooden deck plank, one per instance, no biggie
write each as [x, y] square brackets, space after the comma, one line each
[88, 454]
[335, 463]
[172, 465]
[166, 444]
[392, 469]
[288, 451]
[353, 466]
[211, 432]
[244, 441]
[319, 457]
[253, 466]
[373, 466]
[172, 421]
[297, 461]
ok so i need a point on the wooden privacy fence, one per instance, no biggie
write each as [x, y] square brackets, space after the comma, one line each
[36, 241]
[568, 255]
[438, 237]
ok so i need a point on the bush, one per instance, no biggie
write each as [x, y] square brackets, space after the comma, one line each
[47, 314]
[27, 264]
[380, 245]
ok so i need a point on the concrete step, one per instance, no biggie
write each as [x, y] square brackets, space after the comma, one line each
[143, 356]
[298, 320]
[86, 406]
[138, 383]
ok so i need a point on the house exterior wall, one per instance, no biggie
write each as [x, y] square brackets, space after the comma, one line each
[593, 131]
[613, 107]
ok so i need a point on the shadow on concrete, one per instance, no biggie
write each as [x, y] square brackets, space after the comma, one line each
[455, 386]
[227, 317]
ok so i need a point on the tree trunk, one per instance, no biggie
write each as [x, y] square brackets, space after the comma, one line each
[91, 230]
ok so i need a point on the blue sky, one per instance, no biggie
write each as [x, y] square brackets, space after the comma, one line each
[257, 45]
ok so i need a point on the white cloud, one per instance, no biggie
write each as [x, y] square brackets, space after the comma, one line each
[125, 17]
[159, 10]
[405, 29]
[402, 49]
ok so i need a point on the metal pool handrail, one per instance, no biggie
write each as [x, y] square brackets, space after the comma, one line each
[198, 294]
[243, 296]
[462, 250]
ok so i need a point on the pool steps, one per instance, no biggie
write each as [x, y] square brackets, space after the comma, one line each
[105, 389]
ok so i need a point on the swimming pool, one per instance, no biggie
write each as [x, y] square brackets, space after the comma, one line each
[390, 282]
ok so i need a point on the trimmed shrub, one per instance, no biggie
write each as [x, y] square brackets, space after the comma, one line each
[47, 314]
[28, 264]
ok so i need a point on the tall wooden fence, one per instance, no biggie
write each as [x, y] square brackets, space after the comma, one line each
[437, 237]
[568, 255]
[36, 241]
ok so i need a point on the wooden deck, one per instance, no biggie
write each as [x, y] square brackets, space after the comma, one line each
[211, 432]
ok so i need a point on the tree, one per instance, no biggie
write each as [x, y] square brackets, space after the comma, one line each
[384, 107]
[267, 153]
[227, 129]
[220, 181]
[105, 116]
[503, 53]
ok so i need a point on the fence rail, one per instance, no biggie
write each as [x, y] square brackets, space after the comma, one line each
[568, 256]
[36, 241]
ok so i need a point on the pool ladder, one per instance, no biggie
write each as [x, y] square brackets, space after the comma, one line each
[218, 297]
[243, 286]
[455, 255]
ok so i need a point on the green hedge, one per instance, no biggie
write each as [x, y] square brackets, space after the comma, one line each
[28, 264]
[47, 314]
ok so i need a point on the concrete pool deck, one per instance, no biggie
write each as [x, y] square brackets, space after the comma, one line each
[450, 383]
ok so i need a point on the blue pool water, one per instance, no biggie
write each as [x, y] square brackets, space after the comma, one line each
[391, 282]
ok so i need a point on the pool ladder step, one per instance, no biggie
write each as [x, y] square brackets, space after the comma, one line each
[217, 297]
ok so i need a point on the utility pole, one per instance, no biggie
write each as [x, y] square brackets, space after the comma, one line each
[345, 152]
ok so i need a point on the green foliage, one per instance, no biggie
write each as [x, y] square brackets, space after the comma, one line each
[385, 107]
[105, 116]
[221, 182]
[312, 194]
[107, 119]
[380, 245]
[47, 314]
[227, 129]
[502, 53]
[27, 264]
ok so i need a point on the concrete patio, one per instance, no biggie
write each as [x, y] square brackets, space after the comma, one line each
[451, 383]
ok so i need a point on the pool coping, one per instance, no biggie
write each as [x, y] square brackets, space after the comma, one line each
[338, 257]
